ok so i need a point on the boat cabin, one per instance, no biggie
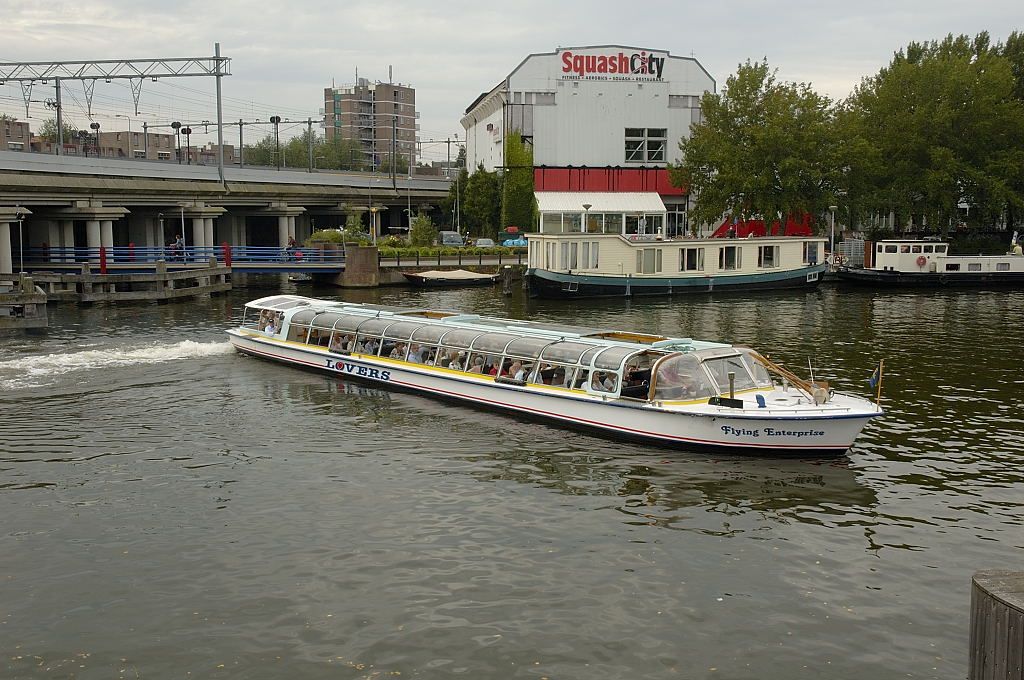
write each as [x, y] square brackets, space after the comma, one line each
[908, 256]
[595, 362]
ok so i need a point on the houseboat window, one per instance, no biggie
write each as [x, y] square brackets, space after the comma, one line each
[588, 255]
[613, 223]
[974, 266]
[811, 252]
[567, 352]
[551, 223]
[768, 257]
[904, 249]
[493, 342]
[928, 249]
[648, 260]
[940, 249]
[593, 223]
[681, 377]
[528, 348]
[878, 248]
[951, 267]
[572, 223]
[574, 251]
[1002, 266]
[729, 258]
[564, 259]
[720, 367]
[915, 249]
[691, 259]
[890, 249]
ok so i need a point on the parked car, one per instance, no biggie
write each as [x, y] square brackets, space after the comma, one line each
[450, 238]
[484, 243]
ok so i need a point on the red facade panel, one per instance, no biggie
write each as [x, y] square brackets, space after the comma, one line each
[605, 179]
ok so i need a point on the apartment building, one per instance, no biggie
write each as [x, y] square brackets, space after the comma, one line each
[380, 116]
[15, 135]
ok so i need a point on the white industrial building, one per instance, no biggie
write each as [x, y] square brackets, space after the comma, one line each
[601, 118]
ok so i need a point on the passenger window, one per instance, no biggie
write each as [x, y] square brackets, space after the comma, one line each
[928, 249]
[915, 249]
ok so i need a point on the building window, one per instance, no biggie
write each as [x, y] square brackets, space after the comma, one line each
[729, 258]
[768, 257]
[163, 155]
[646, 145]
[15, 146]
[139, 153]
[691, 259]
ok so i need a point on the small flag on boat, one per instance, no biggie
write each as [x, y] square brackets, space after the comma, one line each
[876, 376]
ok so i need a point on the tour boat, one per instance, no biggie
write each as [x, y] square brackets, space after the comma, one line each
[572, 265]
[906, 263]
[678, 392]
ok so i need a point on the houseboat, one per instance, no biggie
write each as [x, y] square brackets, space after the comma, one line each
[620, 244]
[676, 392]
[908, 263]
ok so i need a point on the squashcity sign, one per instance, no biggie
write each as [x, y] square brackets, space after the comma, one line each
[619, 65]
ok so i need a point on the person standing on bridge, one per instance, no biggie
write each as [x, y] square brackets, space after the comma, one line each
[178, 249]
[290, 248]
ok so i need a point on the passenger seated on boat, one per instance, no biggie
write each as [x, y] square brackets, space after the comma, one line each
[516, 371]
[476, 364]
[599, 382]
[337, 343]
[398, 351]
[415, 353]
[371, 346]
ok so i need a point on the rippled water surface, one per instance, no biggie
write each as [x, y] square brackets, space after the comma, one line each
[173, 509]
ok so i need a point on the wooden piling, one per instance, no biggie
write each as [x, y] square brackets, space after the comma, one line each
[997, 626]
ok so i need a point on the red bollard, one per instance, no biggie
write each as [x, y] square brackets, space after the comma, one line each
[103, 259]
[226, 247]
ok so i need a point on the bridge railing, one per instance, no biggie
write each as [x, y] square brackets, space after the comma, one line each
[223, 253]
[460, 258]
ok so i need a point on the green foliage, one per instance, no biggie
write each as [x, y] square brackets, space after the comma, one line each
[354, 229]
[938, 126]
[336, 154]
[48, 132]
[481, 209]
[401, 165]
[518, 205]
[326, 236]
[423, 232]
[763, 149]
[425, 253]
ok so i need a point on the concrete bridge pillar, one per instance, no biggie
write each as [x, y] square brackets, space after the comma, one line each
[208, 230]
[291, 226]
[92, 239]
[107, 237]
[67, 228]
[6, 254]
[198, 232]
[54, 240]
[239, 233]
[282, 230]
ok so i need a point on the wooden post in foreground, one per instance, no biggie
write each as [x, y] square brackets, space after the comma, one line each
[997, 626]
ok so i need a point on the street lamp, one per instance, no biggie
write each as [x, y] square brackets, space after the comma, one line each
[187, 131]
[586, 217]
[832, 231]
[373, 223]
[21, 242]
[177, 130]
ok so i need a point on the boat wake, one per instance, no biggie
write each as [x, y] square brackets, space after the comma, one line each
[42, 370]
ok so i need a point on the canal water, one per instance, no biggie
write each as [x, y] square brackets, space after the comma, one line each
[171, 509]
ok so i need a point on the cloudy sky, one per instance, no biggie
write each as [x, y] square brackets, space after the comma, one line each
[284, 53]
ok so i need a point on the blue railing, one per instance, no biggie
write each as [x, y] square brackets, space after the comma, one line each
[188, 255]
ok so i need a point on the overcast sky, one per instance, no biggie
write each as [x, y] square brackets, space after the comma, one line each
[284, 53]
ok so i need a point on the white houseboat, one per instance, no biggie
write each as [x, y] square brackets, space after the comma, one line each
[678, 392]
[616, 246]
[905, 263]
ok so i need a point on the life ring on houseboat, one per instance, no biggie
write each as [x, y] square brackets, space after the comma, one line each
[921, 260]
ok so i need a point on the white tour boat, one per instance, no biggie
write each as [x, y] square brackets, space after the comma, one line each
[912, 263]
[671, 391]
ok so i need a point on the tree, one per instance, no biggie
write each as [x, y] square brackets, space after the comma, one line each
[263, 152]
[482, 206]
[423, 232]
[763, 149]
[518, 205]
[943, 127]
[401, 165]
[48, 131]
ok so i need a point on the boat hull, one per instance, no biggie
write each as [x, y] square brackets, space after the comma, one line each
[427, 282]
[716, 430]
[898, 279]
[544, 283]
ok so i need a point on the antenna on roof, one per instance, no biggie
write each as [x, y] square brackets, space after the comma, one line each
[391, 79]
